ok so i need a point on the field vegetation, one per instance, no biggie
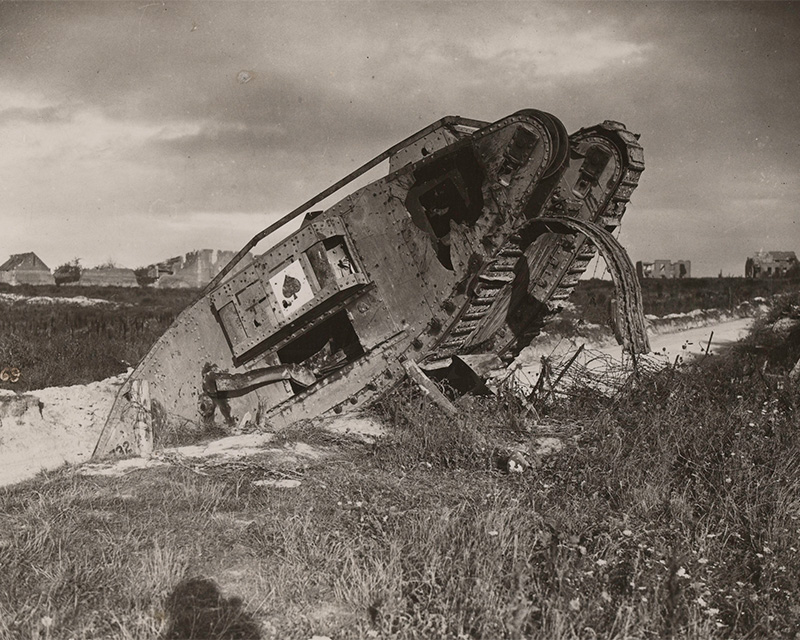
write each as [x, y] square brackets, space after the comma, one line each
[662, 297]
[673, 511]
[63, 344]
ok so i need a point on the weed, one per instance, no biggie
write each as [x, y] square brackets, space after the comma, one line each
[675, 513]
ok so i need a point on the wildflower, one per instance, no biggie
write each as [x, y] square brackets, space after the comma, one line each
[681, 573]
[601, 563]
[701, 602]
[628, 533]
[493, 533]
[703, 560]
[575, 604]
[711, 611]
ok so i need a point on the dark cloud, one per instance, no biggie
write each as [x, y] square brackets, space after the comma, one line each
[173, 110]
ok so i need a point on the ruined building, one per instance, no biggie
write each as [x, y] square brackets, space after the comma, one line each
[25, 268]
[664, 269]
[193, 270]
[107, 277]
[771, 264]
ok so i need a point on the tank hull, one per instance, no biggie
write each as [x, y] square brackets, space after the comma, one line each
[396, 272]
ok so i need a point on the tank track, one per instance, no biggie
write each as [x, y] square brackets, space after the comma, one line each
[569, 256]
[497, 275]
[574, 255]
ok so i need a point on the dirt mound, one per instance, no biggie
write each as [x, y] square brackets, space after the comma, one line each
[46, 428]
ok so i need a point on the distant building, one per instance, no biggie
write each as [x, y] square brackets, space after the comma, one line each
[664, 269]
[770, 264]
[193, 270]
[107, 277]
[25, 268]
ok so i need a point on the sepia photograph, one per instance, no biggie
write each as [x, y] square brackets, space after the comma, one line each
[333, 319]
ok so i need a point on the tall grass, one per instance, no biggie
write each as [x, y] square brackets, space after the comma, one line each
[673, 512]
[662, 297]
[55, 345]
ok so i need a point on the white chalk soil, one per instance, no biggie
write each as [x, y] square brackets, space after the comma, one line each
[693, 343]
[47, 428]
[607, 360]
[75, 301]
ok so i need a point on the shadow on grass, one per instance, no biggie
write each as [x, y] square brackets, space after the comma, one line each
[198, 611]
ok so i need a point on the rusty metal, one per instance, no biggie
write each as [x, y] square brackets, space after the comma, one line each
[217, 382]
[454, 258]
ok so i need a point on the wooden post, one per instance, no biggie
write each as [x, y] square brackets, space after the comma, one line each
[428, 387]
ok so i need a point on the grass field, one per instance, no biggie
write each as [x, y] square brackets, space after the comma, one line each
[662, 297]
[673, 511]
[62, 345]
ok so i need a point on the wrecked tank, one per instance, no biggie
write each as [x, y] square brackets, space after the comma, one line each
[450, 264]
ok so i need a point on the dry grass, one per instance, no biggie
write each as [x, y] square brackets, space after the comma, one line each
[59, 345]
[675, 512]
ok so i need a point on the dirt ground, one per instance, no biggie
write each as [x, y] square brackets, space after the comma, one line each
[46, 428]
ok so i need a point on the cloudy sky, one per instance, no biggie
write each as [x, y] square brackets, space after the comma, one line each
[137, 131]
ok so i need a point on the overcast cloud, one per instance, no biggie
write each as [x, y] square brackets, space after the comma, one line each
[137, 131]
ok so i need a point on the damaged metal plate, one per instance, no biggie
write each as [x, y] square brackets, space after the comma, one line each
[441, 270]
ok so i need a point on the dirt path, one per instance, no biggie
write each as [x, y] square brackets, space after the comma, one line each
[606, 363]
[693, 342]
